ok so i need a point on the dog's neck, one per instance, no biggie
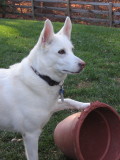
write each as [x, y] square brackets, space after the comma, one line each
[46, 78]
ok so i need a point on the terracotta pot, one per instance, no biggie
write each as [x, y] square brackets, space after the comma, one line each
[93, 134]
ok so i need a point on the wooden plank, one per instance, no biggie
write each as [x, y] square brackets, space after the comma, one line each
[51, 8]
[90, 19]
[19, 6]
[52, 1]
[50, 15]
[89, 11]
[116, 13]
[110, 14]
[116, 4]
[117, 22]
[90, 3]
[26, 14]
[21, 1]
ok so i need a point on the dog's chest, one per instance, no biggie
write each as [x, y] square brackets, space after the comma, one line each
[39, 108]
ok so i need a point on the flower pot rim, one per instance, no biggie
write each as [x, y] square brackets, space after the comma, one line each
[82, 117]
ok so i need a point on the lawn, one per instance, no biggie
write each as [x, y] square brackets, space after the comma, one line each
[99, 47]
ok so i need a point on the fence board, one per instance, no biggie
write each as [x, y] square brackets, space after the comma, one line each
[17, 13]
[18, 6]
[91, 19]
[51, 1]
[21, 1]
[90, 3]
[89, 11]
[50, 15]
[116, 4]
[116, 22]
[116, 13]
[51, 8]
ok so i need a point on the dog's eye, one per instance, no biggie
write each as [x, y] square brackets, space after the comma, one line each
[62, 51]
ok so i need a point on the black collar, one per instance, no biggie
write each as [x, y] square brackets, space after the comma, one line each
[50, 81]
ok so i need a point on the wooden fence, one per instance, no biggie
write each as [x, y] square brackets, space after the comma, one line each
[80, 11]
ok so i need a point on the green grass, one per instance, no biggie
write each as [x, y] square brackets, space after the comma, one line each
[99, 47]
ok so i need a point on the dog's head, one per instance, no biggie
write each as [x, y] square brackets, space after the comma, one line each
[55, 51]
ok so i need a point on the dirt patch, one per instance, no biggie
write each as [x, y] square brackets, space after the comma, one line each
[84, 85]
[118, 80]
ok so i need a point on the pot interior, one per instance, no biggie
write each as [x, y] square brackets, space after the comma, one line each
[97, 133]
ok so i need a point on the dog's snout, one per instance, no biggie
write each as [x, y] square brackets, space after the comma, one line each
[82, 64]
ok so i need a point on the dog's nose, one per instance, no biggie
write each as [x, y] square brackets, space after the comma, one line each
[82, 65]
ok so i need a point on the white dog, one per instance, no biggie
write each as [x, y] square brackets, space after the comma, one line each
[30, 90]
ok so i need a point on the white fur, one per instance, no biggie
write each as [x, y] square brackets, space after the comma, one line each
[27, 101]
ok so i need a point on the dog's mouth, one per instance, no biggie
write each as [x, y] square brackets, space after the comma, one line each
[70, 72]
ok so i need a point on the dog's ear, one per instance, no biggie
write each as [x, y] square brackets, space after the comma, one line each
[66, 29]
[47, 32]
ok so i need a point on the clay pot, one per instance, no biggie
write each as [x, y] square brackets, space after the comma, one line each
[93, 134]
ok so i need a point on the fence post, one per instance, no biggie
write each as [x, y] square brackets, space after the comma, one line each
[33, 9]
[68, 8]
[110, 14]
[3, 7]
